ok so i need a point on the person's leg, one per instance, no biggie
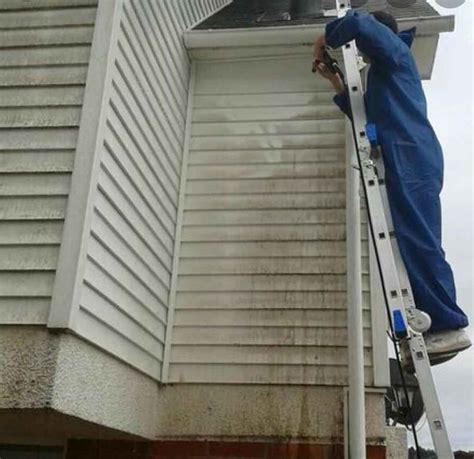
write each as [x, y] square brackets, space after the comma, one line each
[414, 182]
[416, 213]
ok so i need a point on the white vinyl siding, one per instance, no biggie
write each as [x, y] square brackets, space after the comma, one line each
[123, 305]
[261, 287]
[44, 57]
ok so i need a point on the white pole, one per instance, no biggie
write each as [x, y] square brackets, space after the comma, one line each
[357, 433]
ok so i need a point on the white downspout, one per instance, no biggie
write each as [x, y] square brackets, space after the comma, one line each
[356, 428]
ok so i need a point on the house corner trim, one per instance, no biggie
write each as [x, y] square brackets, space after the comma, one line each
[73, 250]
[179, 224]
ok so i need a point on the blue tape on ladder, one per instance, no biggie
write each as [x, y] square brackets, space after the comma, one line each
[372, 134]
[399, 324]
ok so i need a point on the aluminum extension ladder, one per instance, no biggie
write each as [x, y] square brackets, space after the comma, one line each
[407, 322]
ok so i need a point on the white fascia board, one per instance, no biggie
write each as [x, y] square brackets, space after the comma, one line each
[264, 36]
[296, 35]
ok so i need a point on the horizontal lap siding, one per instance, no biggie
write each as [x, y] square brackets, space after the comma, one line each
[44, 56]
[124, 299]
[261, 295]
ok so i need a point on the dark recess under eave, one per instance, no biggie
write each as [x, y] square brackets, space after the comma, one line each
[271, 13]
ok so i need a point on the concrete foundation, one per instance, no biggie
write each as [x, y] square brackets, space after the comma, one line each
[248, 411]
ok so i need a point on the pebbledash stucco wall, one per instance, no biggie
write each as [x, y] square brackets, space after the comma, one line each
[397, 445]
[44, 372]
[68, 388]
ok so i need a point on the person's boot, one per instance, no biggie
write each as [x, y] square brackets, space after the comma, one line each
[447, 342]
[441, 347]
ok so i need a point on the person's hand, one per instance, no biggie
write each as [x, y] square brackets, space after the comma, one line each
[333, 78]
[323, 70]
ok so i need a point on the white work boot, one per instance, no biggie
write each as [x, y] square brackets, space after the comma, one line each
[447, 342]
[441, 347]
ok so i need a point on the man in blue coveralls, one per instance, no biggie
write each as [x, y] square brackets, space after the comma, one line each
[413, 160]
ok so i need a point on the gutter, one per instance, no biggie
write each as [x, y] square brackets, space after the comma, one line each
[297, 35]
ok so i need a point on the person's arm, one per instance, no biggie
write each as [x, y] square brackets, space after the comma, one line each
[373, 38]
[319, 47]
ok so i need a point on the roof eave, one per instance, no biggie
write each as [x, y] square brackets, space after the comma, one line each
[297, 35]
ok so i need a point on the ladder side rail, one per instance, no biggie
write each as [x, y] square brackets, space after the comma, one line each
[402, 272]
[377, 221]
[433, 410]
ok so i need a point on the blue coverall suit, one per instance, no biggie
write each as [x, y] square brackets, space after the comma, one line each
[413, 159]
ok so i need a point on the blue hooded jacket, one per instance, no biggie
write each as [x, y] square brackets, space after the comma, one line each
[413, 159]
